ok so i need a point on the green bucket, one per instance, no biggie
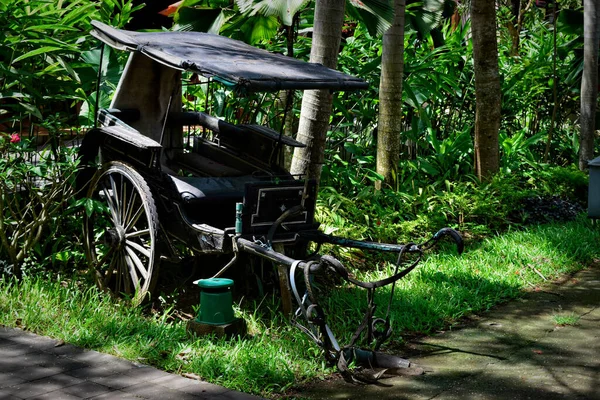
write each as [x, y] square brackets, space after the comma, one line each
[216, 302]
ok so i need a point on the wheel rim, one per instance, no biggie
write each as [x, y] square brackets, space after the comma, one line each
[120, 235]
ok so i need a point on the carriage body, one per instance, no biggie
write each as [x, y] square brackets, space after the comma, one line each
[189, 185]
[223, 189]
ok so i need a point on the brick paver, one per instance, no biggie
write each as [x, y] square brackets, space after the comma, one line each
[37, 367]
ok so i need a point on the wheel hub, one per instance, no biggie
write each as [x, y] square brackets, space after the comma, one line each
[115, 237]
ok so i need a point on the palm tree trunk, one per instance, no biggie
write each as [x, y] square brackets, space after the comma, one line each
[554, 89]
[487, 87]
[316, 104]
[390, 98]
[589, 80]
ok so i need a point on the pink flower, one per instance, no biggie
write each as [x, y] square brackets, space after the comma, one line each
[15, 138]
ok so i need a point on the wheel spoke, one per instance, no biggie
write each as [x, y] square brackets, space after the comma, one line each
[123, 195]
[135, 218]
[139, 248]
[123, 273]
[110, 270]
[113, 186]
[137, 263]
[119, 276]
[111, 204]
[131, 266]
[137, 233]
[105, 257]
[132, 200]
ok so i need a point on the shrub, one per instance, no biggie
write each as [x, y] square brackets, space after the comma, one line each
[34, 193]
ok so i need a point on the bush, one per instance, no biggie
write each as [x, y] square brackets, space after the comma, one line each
[414, 213]
[34, 197]
[42, 41]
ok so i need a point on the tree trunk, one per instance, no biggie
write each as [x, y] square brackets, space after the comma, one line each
[487, 87]
[589, 80]
[554, 89]
[389, 123]
[316, 104]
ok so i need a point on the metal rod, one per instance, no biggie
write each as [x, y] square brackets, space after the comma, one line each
[251, 247]
[97, 105]
[319, 237]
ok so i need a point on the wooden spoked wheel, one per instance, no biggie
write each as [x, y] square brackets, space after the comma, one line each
[120, 234]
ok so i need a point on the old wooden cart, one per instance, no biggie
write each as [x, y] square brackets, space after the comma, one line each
[221, 189]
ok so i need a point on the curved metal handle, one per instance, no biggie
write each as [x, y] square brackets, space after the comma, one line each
[291, 212]
[460, 244]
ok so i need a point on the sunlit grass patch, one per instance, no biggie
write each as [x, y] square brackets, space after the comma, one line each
[570, 319]
[447, 287]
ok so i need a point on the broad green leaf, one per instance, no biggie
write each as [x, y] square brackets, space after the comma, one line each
[53, 27]
[36, 52]
[89, 207]
[30, 108]
[428, 168]
[263, 28]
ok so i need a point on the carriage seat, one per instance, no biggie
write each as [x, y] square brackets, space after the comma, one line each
[201, 165]
[195, 189]
[211, 200]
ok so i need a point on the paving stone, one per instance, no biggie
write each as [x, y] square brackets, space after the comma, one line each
[151, 391]
[116, 394]
[35, 388]
[6, 332]
[37, 369]
[514, 351]
[32, 367]
[147, 373]
[17, 349]
[90, 372]
[12, 364]
[87, 389]
[57, 395]
[117, 381]
[7, 395]
[117, 365]
[66, 350]
[91, 356]
[203, 389]
[35, 372]
[65, 364]
[34, 341]
[8, 380]
[6, 342]
[36, 358]
[233, 395]
[177, 382]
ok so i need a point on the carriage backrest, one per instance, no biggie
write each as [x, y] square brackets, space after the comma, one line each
[153, 89]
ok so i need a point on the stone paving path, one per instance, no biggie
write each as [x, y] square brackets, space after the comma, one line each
[515, 351]
[36, 367]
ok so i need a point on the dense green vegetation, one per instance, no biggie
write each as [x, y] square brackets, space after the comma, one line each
[508, 250]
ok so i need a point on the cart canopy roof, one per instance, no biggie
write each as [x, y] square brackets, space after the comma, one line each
[230, 61]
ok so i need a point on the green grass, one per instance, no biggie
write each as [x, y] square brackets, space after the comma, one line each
[446, 287]
[570, 319]
[276, 355]
[270, 360]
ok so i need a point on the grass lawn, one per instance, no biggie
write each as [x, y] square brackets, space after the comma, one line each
[276, 355]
